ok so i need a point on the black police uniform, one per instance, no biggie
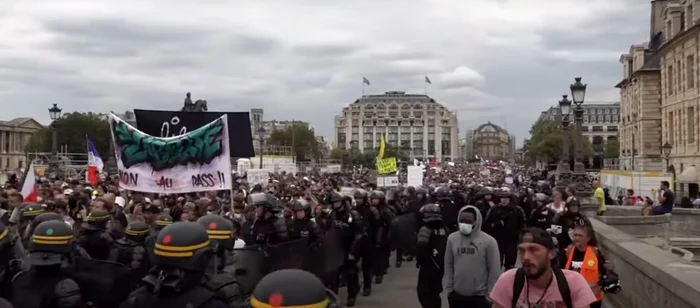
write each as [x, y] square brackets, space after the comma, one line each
[47, 284]
[290, 288]
[220, 231]
[178, 279]
[430, 253]
[504, 223]
[268, 229]
[12, 260]
[372, 226]
[131, 249]
[95, 238]
[303, 228]
[350, 221]
[383, 250]
[450, 210]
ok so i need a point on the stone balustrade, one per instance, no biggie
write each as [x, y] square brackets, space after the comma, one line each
[651, 277]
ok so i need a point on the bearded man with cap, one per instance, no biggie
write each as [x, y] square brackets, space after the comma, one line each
[539, 283]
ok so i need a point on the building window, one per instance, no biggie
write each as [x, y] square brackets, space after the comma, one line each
[691, 124]
[679, 69]
[355, 129]
[669, 129]
[669, 80]
[690, 71]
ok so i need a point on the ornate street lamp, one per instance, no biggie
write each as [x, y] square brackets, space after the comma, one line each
[583, 184]
[54, 114]
[564, 172]
[667, 147]
[261, 136]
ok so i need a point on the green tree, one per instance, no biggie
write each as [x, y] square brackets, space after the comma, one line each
[612, 148]
[301, 138]
[545, 143]
[72, 130]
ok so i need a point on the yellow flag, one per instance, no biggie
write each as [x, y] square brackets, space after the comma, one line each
[382, 146]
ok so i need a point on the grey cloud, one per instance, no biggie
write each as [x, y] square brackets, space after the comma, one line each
[325, 50]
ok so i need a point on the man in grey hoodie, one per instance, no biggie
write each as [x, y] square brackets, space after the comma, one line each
[472, 262]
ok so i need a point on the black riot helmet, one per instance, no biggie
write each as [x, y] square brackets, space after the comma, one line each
[183, 245]
[50, 243]
[289, 288]
[97, 220]
[4, 235]
[137, 231]
[265, 200]
[301, 205]
[377, 194]
[163, 220]
[431, 212]
[442, 194]
[359, 194]
[392, 195]
[337, 200]
[45, 217]
[219, 229]
[421, 191]
[32, 210]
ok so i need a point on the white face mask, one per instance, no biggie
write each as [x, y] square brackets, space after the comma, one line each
[465, 229]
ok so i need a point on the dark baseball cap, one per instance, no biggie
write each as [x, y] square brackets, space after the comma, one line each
[537, 236]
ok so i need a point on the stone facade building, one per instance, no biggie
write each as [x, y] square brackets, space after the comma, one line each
[14, 137]
[680, 89]
[492, 142]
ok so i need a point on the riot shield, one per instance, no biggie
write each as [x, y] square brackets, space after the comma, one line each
[249, 267]
[314, 259]
[106, 284]
[334, 250]
[287, 255]
[403, 233]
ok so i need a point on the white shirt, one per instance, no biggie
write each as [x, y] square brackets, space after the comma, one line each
[555, 209]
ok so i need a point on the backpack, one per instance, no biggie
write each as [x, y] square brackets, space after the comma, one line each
[561, 283]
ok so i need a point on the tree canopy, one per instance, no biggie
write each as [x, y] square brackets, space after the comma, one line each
[71, 131]
[545, 143]
[612, 148]
[301, 137]
[368, 158]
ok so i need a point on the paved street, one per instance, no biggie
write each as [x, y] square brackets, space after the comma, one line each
[397, 290]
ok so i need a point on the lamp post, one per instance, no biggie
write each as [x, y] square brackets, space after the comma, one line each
[54, 114]
[667, 147]
[261, 136]
[580, 178]
[564, 172]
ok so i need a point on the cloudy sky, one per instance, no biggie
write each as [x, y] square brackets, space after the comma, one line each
[497, 60]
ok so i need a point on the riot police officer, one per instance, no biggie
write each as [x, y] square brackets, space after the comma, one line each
[302, 226]
[383, 250]
[47, 284]
[131, 249]
[76, 250]
[12, 252]
[292, 288]
[350, 221]
[449, 209]
[372, 228]
[220, 231]
[162, 221]
[504, 222]
[95, 238]
[430, 252]
[178, 278]
[268, 228]
[28, 213]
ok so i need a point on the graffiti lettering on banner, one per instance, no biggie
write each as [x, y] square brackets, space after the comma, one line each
[199, 160]
[257, 176]
[386, 165]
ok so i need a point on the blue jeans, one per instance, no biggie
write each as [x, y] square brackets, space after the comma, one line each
[659, 210]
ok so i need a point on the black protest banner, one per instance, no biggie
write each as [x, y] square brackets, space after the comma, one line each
[162, 123]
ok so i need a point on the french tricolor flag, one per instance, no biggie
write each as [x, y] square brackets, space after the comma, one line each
[29, 190]
[95, 163]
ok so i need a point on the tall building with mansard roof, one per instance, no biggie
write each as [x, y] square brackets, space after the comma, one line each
[413, 123]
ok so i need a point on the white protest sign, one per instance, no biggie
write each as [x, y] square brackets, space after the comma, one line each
[196, 161]
[347, 191]
[258, 176]
[415, 176]
[388, 181]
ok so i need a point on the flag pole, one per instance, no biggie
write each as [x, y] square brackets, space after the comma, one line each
[425, 85]
[363, 87]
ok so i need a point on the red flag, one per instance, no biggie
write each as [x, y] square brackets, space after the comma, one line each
[93, 175]
[29, 191]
